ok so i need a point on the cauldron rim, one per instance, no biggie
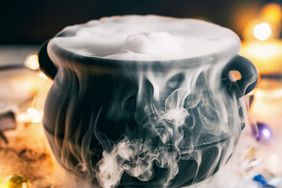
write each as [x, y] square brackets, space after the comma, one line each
[95, 61]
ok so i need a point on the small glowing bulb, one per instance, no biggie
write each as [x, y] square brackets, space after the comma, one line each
[23, 118]
[32, 115]
[43, 76]
[15, 182]
[262, 31]
[266, 133]
[35, 115]
[32, 62]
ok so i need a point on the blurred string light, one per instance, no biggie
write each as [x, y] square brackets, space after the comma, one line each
[267, 25]
[43, 76]
[15, 182]
[31, 115]
[31, 62]
[262, 31]
[262, 44]
[264, 132]
[35, 115]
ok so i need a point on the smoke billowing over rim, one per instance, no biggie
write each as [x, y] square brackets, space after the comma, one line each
[231, 48]
[167, 122]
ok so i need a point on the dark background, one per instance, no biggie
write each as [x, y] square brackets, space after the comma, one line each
[34, 21]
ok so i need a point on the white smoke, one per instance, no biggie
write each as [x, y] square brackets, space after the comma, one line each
[178, 123]
[147, 38]
[174, 126]
[179, 118]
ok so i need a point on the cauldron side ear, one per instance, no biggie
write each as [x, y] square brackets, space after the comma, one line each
[249, 76]
[46, 64]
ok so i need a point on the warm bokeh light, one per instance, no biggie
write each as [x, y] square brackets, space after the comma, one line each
[272, 12]
[262, 31]
[266, 25]
[23, 118]
[35, 115]
[32, 115]
[31, 62]
[15, 182]
[43, 76]
[265, 55]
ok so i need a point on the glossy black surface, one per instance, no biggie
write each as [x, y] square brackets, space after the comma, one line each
[91, 108]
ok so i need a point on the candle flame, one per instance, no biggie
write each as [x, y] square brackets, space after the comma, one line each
[31, 62]
[262, 31]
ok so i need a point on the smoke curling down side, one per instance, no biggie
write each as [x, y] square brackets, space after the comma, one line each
[152, 132]
[158, 126]
[185, 115]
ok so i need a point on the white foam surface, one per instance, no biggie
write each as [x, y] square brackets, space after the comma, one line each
[147, 38]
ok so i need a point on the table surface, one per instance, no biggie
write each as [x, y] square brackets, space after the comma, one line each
[16, 54]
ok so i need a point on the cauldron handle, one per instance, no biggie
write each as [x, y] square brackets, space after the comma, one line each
[46, 64]
[248, 79]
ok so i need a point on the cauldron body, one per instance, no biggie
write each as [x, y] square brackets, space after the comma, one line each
[95, 104]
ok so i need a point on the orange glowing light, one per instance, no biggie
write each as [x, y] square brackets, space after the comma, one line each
[31, 62]
[265, 55]
[272, 12]
[15, 182]
[267, 25]
[262, 31]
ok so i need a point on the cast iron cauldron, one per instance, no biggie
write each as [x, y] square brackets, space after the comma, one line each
[154, 124]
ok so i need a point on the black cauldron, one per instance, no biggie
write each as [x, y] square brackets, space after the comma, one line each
[143, 124]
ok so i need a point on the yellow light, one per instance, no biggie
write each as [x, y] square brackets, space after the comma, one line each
[262, 31]
[272, 12]
[15, 182]
[23, 118]
[265, 55]
[32, 62]
[32, 115]
[35, 115]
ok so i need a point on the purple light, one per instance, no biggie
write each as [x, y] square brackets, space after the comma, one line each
[264, 132]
